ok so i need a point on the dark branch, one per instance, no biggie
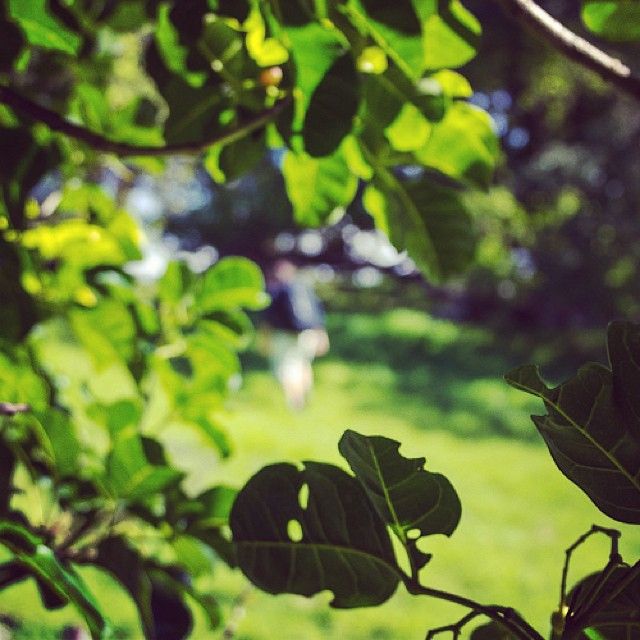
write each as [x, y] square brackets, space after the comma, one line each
[55, 122]
[574, 47]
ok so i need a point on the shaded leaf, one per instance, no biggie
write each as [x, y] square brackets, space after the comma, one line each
[491, 631]
[406, 496]
[591, 427]
[608, 604]
[332, 107]
[342, 544]
[427, 219]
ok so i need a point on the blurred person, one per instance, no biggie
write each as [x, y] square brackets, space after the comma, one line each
[296, 332]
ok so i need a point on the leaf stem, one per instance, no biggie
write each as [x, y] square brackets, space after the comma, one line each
[54, 121]
[505, 616]
[573, 46]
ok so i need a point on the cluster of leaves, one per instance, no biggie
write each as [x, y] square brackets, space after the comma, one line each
[319, 528]
[354, 91]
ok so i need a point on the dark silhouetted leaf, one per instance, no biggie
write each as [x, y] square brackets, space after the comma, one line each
[592, 425]
[407, 497]
[341, 544]
[492, 631]
[332, 107]
[607, 604]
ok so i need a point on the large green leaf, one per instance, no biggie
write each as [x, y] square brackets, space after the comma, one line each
[607, 603]
[592, 427]
[408, 498]
[341, 543]
[62, 580]
[318, 186]
[451, 33]
[41, 28]
[613, 19]
[232, 283]
[332, 107]
[427, 219]
[463, 145]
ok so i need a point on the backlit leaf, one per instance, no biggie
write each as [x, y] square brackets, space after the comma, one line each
[341, 543]
[407, 497]
[591, 427]
[617, 20]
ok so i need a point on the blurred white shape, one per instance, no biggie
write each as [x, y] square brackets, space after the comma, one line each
[155, 257]
[324, 273]
[284, 242]
[406, 268]
[367, 277]
[200, 259]
[144, 204]
[311, 242]
[375, 248]
[506, 289]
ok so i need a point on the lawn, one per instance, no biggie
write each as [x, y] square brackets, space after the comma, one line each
[436, 387]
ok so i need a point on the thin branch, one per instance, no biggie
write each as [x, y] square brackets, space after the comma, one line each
[506, 616]
[575, 47]
[56, 122]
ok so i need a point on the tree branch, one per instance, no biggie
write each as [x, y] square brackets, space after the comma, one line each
[55, 122]
[575, 47]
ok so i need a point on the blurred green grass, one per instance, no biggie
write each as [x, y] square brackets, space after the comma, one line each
[437, 388]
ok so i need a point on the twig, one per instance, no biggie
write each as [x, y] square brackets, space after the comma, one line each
[614, 556]
[26, 107]
[575, 47]
[455, 628]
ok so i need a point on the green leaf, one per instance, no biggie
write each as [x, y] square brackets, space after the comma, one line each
[429, 220]
[408, 498]
[41, 28]
[316, 49]
[332, 107]
[130, 475]
[318, 186]
[451, 33]
[341, 543]
[394, 27]
[617, 20]
[591, 429]
[491, 631]
[463, 145]
[231, 283]
[607, 603]
[62, 580]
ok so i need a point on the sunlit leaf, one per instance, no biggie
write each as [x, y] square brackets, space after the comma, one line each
[317, 186]
[341, 543]
[41, 28]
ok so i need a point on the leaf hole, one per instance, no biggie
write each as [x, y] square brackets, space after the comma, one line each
[413, 534]
[303, 496]
[294, 530]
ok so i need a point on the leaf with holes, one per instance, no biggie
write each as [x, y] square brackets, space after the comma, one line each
[336, 541]
[592, 426]
[606, 606]
[406, 496]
